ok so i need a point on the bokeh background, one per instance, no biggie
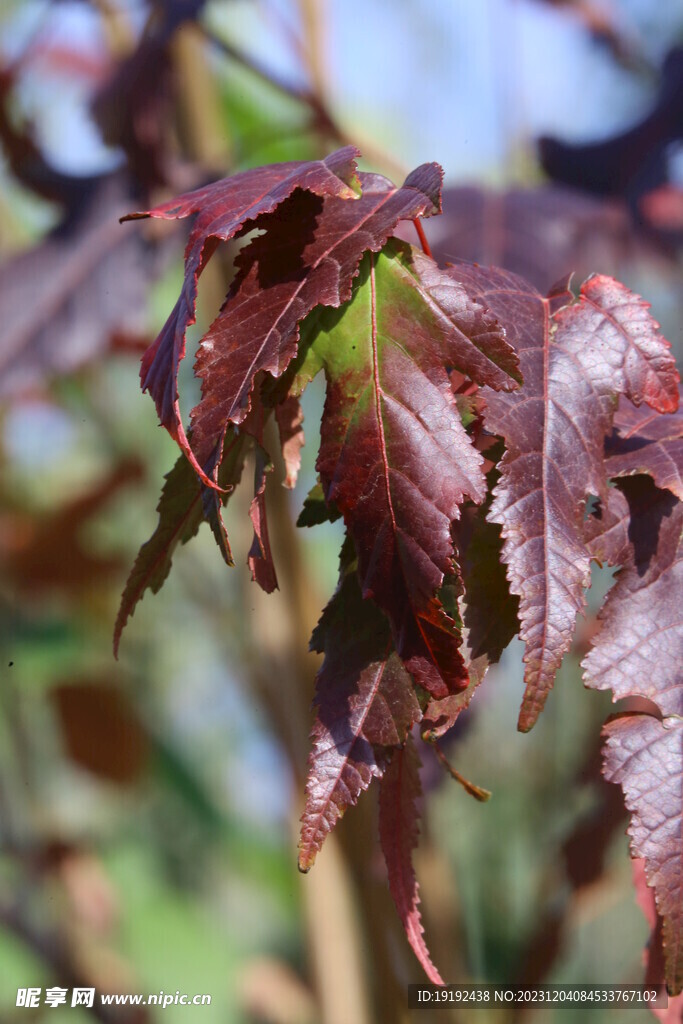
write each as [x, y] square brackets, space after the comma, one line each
[149, 806]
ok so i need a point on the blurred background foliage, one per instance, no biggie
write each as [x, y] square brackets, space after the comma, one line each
[148, 807]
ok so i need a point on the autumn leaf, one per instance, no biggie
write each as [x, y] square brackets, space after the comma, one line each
[307, 257]
[394, 457]
[638, 649]
[225, 208]
[181, 514]
[489, 610]
[398, 827]
[260, 558]
[645, 442]
[643, 755]
[365, 705]
[576, 358]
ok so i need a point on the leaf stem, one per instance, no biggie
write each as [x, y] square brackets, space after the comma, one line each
[423, 238]
[480, 794]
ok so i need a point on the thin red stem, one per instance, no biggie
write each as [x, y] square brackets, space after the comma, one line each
[423, 238]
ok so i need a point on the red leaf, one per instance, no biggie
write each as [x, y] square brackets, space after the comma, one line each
[489, 612]
[398, 826]
[638, 649]
[365, 706]
[643, 441]
[576, 357]
[180, 516]
[644, 756]
[653, 955]
[260, 556]
[308, 256]
[394, 457]
[224, 209]
[606, 529]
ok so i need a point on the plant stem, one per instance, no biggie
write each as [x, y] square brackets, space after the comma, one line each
[480, 794]
[423, 238]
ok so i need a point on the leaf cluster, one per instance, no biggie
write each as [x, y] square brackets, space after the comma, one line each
[468, 421]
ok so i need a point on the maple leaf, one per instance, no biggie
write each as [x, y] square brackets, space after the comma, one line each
[365, 705]
[606, 529]
[394, 457]
[225, 208]
[577, 357]
[307, 257]
[643, 755]
[398, 827]
[645, 442]
[181, 513]
[489, 610]
[638, 649]
[260, 558]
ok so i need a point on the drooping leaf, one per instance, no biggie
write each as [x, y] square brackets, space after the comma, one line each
[489, 609]
[638, 649]
[398, 828]
[645, 757]
[316, 510]
[394, 456]
[307, 257]
[180, 516]
[365, 705]
[260, 558]
[576, 357]
[224, 209]
[645, 442]
[638, 652]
